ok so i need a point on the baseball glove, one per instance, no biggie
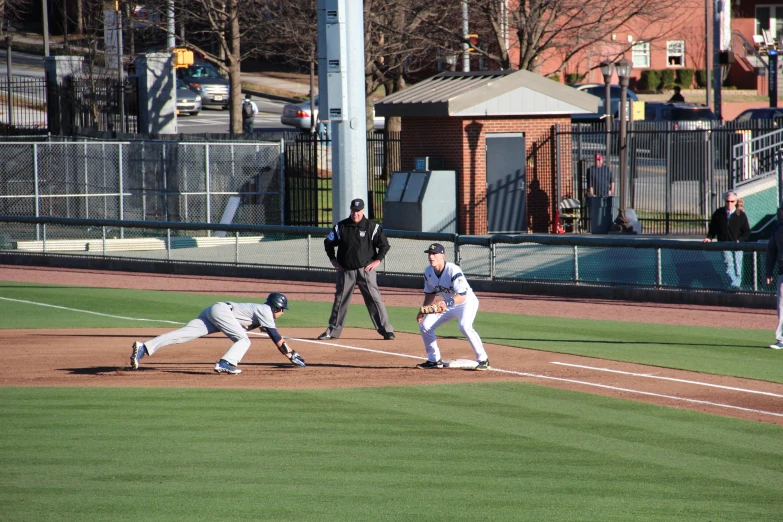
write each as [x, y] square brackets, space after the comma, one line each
[430, 309]
[297, 359]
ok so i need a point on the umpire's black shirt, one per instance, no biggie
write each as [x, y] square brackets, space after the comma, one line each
[358, 244]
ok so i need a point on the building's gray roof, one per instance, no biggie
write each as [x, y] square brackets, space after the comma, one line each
[487, 93]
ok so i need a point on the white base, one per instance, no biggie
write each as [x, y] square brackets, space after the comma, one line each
[460, 363]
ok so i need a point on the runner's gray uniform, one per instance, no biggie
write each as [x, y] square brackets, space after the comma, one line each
[233, 319]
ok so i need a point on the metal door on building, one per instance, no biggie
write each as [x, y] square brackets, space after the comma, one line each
[506, 186]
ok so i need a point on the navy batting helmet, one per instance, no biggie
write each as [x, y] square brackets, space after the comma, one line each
[277, 301]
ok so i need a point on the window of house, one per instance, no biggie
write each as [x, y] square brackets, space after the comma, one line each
[640, 54]
[675, 53]
[770, 18]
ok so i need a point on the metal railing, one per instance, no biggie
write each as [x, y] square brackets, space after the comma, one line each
[636, 263]
[22, 105]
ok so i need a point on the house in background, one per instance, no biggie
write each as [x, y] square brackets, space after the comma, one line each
[679, 41]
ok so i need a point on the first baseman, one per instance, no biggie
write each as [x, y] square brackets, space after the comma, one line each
[459, 302]
[234, 320]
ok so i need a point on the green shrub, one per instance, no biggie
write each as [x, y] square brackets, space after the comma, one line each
[573, 78]
[649, 81]
[685, 78]
[667, 79]
[702, 78]
[554, 77]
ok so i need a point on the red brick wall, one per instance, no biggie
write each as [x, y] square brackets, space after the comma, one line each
[461, 142]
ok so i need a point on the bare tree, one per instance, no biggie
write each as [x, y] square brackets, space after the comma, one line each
[223, 32]
[399, 43]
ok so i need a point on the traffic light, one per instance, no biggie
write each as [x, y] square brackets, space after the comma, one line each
[473, 42]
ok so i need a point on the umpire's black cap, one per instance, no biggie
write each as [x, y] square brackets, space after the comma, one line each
[357, 204]
[435, 248]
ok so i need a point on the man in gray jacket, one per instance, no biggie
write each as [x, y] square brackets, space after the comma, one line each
[775, 256]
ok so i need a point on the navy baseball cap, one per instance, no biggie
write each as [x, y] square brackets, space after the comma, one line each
[435, 248]
[357, 204]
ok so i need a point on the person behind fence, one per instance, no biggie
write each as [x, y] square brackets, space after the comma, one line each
[775, 257]
[677, 97]
[361, 246]
[730, 224]
[249, 111]
[599, 178]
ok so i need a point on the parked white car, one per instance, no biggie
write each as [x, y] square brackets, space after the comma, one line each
[298, 115]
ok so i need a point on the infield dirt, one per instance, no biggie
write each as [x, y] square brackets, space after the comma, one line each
[361, 358]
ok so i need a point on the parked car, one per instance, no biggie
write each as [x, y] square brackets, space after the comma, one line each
[188, 100]
[683, 116]
[203, 78]
[298, 115]
[599, 90]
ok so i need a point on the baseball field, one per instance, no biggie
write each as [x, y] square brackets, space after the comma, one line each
[593, 410]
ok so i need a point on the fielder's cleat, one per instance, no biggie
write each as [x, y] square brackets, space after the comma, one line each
[389, 336]
[139, 351]
[430, 365]
[777, 346]
[483, 365]
[324, 336]
[226, 367]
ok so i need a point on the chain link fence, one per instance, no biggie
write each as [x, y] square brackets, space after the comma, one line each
[144, 181]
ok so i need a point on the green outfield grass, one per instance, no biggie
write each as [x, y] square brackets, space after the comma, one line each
[502, 451]
[494, 451]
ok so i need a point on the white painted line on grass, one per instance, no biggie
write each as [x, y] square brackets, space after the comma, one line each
[561, 379]
[88, 311]
[673, 379]
[639, 392]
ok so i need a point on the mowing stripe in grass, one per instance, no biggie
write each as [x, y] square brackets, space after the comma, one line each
[648, 376]
[88, 311]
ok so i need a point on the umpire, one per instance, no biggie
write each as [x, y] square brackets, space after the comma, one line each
[361, 246]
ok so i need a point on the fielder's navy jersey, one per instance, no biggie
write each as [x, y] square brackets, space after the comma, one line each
[450, 282]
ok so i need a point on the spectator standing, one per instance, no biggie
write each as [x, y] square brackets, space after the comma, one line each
[249, 111]
[361, 246]
[677, 97]
[730, 224]
[599, 178]
[775, 257]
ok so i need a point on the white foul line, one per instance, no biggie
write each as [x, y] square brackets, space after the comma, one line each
[561, 379]
[88, 311]
[649, 376]
[521, 374]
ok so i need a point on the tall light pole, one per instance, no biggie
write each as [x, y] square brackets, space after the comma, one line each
[607, 69]
[622, 224]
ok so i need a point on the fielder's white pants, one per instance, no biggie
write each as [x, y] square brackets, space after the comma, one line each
[779, 329]
[216, 318]
[465, 313]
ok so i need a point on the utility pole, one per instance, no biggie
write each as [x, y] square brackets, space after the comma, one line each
[707, 51]
[465, 31]
[45, 9]
[717, 75]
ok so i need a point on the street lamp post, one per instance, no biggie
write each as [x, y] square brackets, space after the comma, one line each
[606, 70]
[622, 225]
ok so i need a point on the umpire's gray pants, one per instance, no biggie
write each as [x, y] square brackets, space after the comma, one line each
[216, 318]
[368, 286]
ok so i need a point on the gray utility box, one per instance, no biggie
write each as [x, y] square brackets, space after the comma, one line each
[603, 213]
[423, 201]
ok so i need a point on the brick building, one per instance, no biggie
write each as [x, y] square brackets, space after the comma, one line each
[496, 129]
